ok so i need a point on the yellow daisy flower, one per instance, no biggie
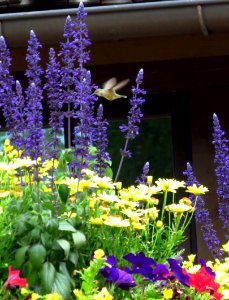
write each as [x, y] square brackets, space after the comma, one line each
[179, 208]
[169, 185]
[116, 221]
[197, 190]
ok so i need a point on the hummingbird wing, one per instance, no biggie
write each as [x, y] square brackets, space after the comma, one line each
[121, 84]
[110, 83]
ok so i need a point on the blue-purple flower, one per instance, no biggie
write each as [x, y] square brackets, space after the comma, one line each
[131, 129]
[221, 160]
[118, 277]
[202, 216]
[178, 271]
[100, 141]
[55, 104]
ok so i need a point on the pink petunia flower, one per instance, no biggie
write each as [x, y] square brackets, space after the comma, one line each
[14, 278]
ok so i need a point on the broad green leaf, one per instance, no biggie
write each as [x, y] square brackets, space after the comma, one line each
[63, 191]
[65, 245]
[20, 255]
[62, 286]
[63, 270]
[73, 257]
[37, 254]
[48, 273]
[65, 226]
[79, 239]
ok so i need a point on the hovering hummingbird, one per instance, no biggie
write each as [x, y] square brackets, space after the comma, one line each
[109, 89]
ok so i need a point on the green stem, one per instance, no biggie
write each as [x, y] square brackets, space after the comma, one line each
[121, 161]
[163, 206]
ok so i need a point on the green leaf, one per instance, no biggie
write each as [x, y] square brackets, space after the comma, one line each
[48, 273]
[63, 191]
[63, 270]
[65, 226]
[79, 239]
[37, 254]
[73, 257]
[20, 255]
[65, 245]
[62, 286]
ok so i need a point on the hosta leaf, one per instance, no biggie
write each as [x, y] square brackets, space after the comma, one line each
[37, 254]
[48, 273]
[62, 286]
[65, 245]
[20, 256]
[73, 257]
[65, 226]
[63, 270]
[79, 239]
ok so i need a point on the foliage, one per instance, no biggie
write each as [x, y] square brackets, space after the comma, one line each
[60, 205]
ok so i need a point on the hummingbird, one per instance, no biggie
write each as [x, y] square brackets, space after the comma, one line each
[109, 88]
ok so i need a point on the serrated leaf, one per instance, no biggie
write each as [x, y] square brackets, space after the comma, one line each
[65, 226]
[65, 245]
[20, 255]
[79, 239]
[37, 254]
[62, 286]
[48, 273]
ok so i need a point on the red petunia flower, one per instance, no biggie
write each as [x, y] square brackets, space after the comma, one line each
[14, 279]
[202, 281]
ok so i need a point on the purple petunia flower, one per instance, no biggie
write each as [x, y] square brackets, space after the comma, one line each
[160, 272]
[140, 264]
[118, 277]
[203, 264]
[139, 260]
[178, 271]
[202, 216]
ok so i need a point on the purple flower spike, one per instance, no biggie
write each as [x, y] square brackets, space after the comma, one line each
[131, 130]
[35, 139]
[221, 160]
[135, 114]
[55, 104]
[34, 70]
[178, 272]
[202, 217]
[101, 143]
[145, 172]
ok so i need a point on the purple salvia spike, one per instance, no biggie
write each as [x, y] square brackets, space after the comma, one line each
[55, 104]
[221, 158]
[34, 70]
[34, 120]
[101, 143]
[131, 130]
[202, 217]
